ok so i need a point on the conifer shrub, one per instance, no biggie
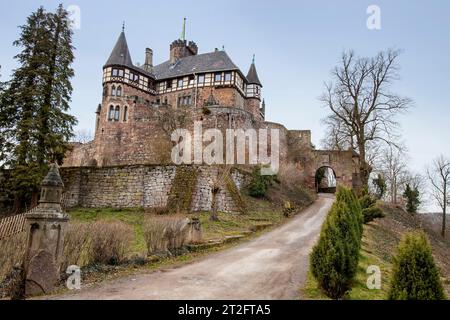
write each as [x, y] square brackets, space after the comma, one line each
[415, 275]
[369, 207]
[334, 260]
[259, 184]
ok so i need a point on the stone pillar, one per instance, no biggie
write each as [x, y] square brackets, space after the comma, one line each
[46, 225]
[195, 231]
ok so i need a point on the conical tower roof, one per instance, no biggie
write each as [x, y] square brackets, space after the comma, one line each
[252, 75]
[120, 54]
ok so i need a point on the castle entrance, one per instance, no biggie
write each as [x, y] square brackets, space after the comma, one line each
[325, 180]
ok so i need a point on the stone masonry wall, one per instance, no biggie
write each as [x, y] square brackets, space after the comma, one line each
[144, 186]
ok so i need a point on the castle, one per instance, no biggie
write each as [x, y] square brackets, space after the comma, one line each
[142, 105]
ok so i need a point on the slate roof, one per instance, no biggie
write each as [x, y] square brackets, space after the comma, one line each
[252, 76]
[120, 54]
[206, 62]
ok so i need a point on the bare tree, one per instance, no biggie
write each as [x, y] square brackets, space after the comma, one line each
[362, 107]
[83, 136]
[439, 177]
[392, 164]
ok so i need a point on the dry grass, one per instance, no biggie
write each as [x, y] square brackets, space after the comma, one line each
[110, 242]
[76, 245]
[165, 233]
[12, 252]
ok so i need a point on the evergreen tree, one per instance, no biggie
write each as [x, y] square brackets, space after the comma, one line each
[415, 275]
[411, 196]
[380, 186]
[37, 100]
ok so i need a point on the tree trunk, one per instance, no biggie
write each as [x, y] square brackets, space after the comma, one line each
[214, 209]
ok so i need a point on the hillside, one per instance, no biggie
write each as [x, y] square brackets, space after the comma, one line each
[380, 241]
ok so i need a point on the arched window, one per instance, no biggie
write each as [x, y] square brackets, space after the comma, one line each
[113, 91]
[125, 114]
[119, 91]
[111, 113]
[117, 114]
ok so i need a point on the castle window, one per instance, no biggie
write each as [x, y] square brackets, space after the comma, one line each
[228, 76]
[111, 113]
[119, 91]
[191, 79]
[117, 114]
[218, 77]
[180, 83]
[117, 72]
[113, 91]
[169, 84]
[201, 79]
[184, 101]
[125, 114]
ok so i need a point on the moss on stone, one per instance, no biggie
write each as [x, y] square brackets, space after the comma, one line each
[181, 192]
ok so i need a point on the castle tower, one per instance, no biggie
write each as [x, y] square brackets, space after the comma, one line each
[253, 92]
[124, 84]
[181, 48]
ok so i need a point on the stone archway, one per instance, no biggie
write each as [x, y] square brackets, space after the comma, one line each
[325, 180]
[343, 163]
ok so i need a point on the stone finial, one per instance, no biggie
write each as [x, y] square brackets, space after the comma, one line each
[52, 186]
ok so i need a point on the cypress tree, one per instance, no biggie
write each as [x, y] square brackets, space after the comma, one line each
[412, 198]
[415, 275]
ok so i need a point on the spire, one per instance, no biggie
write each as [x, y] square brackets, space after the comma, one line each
[183, 32]
[120, 54]
[252, 75]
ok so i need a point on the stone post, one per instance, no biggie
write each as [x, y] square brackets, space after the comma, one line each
[46, 226]
[195, 231]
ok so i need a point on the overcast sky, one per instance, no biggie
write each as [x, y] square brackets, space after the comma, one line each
[296, 44]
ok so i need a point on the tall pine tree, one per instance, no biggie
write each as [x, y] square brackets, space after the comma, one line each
[38, 99]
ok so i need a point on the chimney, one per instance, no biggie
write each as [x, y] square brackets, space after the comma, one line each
[148, 66]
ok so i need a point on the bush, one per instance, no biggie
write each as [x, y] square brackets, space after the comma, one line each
[333, 259]
[259, 184]
[372, 213]
[369, 209]
[348, 197]
[110, 242]
[415, 275]
[165, 233]
[76, 245]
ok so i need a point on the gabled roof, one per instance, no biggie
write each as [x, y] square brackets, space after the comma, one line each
[252, 76]
[207, 62]
[120, 54]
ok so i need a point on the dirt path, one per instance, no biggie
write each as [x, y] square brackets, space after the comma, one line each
[273, 266]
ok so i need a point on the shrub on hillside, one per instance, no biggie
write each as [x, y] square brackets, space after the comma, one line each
[372, 213]
[369, 207]
[259, 184]
[415, 275]
[335, 257]
[348, 197]
[110, 242]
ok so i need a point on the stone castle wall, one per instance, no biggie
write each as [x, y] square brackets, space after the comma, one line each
[145, 186]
